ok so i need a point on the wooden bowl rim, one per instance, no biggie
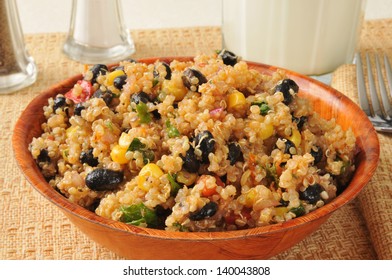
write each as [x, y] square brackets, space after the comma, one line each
[35, 178]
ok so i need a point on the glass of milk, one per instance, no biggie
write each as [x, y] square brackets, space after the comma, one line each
[312, 37]
[97, 32]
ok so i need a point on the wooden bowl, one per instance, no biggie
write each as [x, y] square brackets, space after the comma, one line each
[257, 243]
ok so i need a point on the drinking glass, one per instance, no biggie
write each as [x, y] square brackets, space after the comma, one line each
[312, 37]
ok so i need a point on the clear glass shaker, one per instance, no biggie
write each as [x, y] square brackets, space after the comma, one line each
[17, 68]
[97, 32]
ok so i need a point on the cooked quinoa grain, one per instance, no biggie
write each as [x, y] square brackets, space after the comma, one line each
[203, 145]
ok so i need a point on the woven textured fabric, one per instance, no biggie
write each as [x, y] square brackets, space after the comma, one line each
[375, 201]
[33, 228]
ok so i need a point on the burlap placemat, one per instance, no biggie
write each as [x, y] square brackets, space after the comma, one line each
[375, 202]
[32, 228]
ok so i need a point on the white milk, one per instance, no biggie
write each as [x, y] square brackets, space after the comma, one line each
[307, 36]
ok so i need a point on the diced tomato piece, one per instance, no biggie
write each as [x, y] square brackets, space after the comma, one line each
[231, 218]
[245, 212]
[208, 190]
[219, 181]
[82, 95]
[279, 168]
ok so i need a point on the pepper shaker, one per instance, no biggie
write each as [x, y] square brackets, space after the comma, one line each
[17, 67]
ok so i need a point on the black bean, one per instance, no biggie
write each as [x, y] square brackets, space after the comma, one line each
[312, 193]
[289, 88]
[284, 202]
[107, 96]
[161, 214]
[190, 162]
[93, 206]
[88, 158]
[120, 81]
[228, 57]
[204, 144]
[96, 70]
[168, 70]
[206, 211]
[156, 114]
[120, 67]
[43, 156]
[58, 103]
[193, 78]
[78, 109]
[131, 60]
[103, 179]
[300, 121]
[140, 97]
[66, 111]
[235, 153]
[317, 154]
[289, 147]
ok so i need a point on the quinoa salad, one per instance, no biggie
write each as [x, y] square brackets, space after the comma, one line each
[203, 145]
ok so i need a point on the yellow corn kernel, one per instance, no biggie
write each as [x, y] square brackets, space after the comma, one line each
[295, 137]
[280, 211]
[236, 100]
[125, 140]
[250, 197]
[112, 75]
[118, 154]
[174, 88]
[267, 131]
[71, 131]
[149, 170]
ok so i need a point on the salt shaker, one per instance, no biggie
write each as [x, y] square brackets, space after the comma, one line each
[97, 32]
[17, 67]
